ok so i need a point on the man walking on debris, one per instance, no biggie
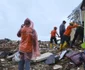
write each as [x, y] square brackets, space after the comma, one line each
[28, 47]
[53, 37]
[62, 29]
[66, 37]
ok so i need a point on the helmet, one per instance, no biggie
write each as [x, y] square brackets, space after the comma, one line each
[71, 23]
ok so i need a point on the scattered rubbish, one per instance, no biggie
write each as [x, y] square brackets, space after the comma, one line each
[52, 59]
[2, 60]
[3, 54]
[42, 57]
[9, 48]
[16, 57]
[10, 56]
[62, 54]
[55, 67]
[76, 57]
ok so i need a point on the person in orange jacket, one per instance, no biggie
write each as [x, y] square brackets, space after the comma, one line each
[53, 37]
[66, 37]
[28, 47]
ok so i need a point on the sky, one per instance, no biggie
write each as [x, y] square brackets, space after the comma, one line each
[44, 13]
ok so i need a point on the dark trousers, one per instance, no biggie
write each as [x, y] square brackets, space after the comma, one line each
[53, 39]
[76, 36]
[66, 38]
[61, 37]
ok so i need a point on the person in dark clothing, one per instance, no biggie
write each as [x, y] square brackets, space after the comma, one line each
[78, 34]
[62, 29]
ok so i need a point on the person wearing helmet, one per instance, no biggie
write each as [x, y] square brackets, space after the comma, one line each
[53, 37]
[66, 36]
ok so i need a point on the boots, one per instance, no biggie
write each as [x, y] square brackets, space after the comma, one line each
[64, 45]
[51, 45]
[61, 47]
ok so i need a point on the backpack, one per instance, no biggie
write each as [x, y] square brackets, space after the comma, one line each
[76, 57]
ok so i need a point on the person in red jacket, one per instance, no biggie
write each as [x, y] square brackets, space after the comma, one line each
[53, 37]
[66, 36]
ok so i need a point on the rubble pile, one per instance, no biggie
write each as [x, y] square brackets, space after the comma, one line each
[8, 46]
